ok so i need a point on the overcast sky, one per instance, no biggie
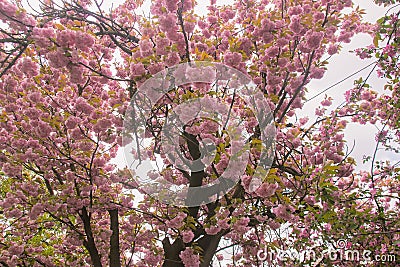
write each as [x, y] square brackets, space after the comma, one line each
[341, 66]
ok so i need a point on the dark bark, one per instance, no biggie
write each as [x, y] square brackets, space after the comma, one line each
[196, 178]
[115, 260]
[89, 243]
[171, 253]
[209, 244]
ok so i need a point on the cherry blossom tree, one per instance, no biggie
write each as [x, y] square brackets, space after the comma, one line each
[68, 71]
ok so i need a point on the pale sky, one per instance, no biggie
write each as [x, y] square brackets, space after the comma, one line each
[341, 66]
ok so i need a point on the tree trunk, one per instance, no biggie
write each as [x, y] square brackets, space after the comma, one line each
[89, 243]
[115, 260]
[171, 253]
[208, 243]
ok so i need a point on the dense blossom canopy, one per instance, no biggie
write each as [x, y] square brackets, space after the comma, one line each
[68, 70]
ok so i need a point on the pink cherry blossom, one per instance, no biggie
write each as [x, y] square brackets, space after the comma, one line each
[187, 236]
[189, 259]
[266, 190]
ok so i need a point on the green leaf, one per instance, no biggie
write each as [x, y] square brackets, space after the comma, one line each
[376, 40]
